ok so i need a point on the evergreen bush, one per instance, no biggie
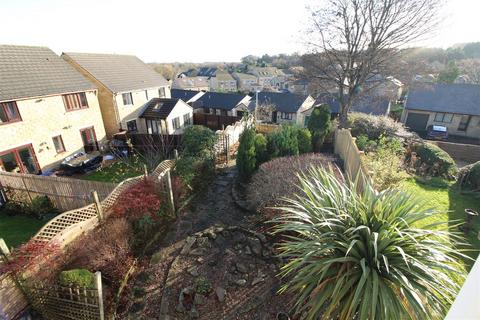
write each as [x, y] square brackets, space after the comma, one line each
[246, 159]
[320, 125]
[304, 138]
[437, 161]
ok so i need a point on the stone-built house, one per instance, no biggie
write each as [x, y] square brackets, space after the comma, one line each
[455, 106]
[166, 116]
[125, 84]
[286, 107]
[269, 77]
[191, 83]
[223, 81]
[245, 81]
[219, 103]
[48, 110]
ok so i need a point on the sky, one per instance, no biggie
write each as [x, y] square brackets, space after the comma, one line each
[187, 30]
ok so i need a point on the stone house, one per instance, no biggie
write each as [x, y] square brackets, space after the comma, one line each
[191, 83]
[125, 84]
[166, 116]
[245, 81]
[287, 107]
[223, 82]
[48, 110]
[455, 106]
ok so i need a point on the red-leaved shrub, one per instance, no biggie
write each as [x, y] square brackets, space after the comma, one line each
[278, 178]
[137, 201]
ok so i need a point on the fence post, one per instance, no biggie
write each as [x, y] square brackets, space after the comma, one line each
[175, 154]
[98, 205]
[170, 191]
[98, 286]
[26, 189]
[145, 171]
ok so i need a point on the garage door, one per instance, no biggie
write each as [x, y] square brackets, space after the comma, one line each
[417, 121]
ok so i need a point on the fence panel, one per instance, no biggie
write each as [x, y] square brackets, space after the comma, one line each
[213, 121]
[65, 193]
[159, 144]
[12, 300]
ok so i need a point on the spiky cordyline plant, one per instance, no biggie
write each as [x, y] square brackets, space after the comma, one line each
[359, 255]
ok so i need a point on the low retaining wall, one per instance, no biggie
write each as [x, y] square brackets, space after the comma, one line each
[469, 153]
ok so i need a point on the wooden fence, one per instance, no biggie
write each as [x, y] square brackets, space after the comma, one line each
[155, 144]
[65, 193]
[214, 122]
[346, 148]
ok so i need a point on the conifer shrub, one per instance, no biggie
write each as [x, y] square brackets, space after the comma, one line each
[261, 153]
[320, 125]
[304, 140]
[246, 158]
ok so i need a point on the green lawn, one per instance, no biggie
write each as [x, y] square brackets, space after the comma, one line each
[445, 197]
[16, 230]
[116, 172]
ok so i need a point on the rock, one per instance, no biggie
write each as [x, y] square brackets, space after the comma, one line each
[221, 293]
[203, 242]
[261, 237]
[193, 271]
[241, 267]
[257, 280]
[188, 245]
[197, 252]
[194, 313]
[200, 260]
[238, 237]
[180, 308]
[212, 262]
[220, 241]
[229, 252]
[248, 250]
[255, 245]
[210, 234]
[241, 282]
[226, 234]
[199, 299]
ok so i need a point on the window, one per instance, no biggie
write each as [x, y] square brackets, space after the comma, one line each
[176, 123]
[75, 101]
[161, 92]
[58, 143]
[186, 119]
[9, 112]
[132, 125]
[20, 160]
[463, 125]
[152, 126]
[89, 139]
[286, 115]
[127, 98]
[443, 117]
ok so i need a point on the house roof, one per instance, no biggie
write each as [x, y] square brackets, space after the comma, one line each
[284, 101]
[190, 82]
[27, 72]
[375, 105]
[159, 108]
[224, 76]
[185, 95]
[451, 98]
[219, 100]
[207, 72]
[244, 76]
[119, 73]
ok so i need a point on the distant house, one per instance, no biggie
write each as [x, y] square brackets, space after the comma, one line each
[245, 81]
[191, 83]
[455, 106]
[48, 110]
[219, 103]
[166, 116]
[269, 77]
[223, 81]
[299, 86]
[124, 84]
[287, 107]
[189, 96]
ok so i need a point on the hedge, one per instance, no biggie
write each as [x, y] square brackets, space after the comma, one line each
[438, 162]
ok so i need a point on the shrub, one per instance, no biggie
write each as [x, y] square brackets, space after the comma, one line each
[469, 176]
[137, 201]
[278, 178]
[304, 140]
[13, 208]
[198, 141]
[320, 125]
[106, 249]
[364, 144]
[246, 161]
[352, 255]
[77, 277]
[203, 286]
[261, 154]
[373, 126]
[41, 206]
[194, 171]
[435, 162]
[385, 163]
[283, 142]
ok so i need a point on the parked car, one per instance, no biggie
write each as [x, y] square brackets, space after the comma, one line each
[437, 132]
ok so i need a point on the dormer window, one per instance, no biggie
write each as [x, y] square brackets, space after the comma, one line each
[9, 112]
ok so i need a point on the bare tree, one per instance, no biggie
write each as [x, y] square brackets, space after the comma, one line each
[471, 69]
[355, 43]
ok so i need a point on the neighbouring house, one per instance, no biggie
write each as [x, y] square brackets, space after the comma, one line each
[223, 81]
[286, 107]
[299, 86]
[48, 110]
[455, 106]
[370, 104]
[166, 116]
[269, 77]
[191, 83]
[189, 96]
[245, 81]
[125, 84]
[220, 103]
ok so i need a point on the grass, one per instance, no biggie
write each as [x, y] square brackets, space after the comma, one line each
[116, 172]
[444, 196]
[16, 230]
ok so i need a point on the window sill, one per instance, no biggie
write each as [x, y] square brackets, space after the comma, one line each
[73, 110]
[10, 122]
